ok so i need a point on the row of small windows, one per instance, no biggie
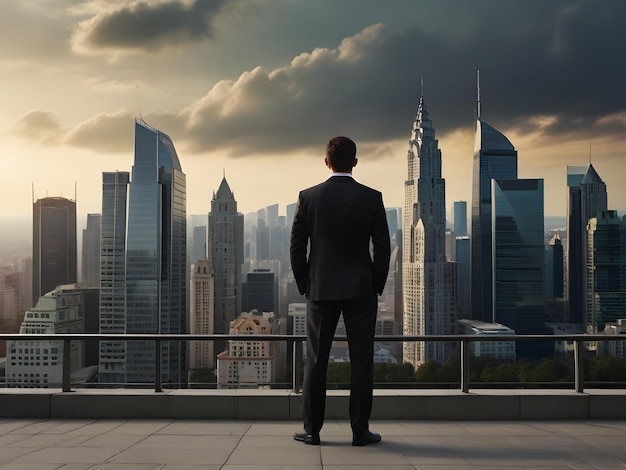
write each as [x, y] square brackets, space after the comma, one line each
[33, 350]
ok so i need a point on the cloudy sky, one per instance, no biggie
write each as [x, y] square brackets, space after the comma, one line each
[255, 88]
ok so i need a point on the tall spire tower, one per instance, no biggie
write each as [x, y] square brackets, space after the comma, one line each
[429, 281]
[586, 197]
[494, 158]
[226, 254]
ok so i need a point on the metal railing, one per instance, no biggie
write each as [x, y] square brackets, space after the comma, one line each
[296, 341]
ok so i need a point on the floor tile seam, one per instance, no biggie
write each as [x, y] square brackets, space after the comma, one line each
[25, 425]
[230, 454]
[110, 459]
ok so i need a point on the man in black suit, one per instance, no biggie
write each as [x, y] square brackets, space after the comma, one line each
[337, 220]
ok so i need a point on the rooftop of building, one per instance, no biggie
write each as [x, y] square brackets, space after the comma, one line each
[265, 443]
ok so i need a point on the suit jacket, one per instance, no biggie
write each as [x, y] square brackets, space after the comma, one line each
[335, 222]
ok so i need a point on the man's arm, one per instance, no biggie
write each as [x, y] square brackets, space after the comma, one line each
[382, 247]
[298, 247]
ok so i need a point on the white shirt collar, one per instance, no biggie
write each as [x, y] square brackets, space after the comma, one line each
[341, 174]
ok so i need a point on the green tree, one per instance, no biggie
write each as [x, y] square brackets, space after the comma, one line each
[450, 371]
[607, 368]
[202, 376]
[551, 370]
[338, 373]
[393, 373]
[480, 363]
[501, 373]
[428, 371]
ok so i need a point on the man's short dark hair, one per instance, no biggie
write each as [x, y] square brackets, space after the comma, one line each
[341, 152]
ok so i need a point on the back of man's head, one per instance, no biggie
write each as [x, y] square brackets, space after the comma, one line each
[341, 154]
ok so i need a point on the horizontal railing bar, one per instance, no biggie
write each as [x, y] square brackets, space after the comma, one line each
[248, 337]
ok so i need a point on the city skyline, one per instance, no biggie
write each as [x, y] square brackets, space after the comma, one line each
[255, 89]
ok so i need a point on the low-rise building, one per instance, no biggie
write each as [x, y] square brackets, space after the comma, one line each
[249, 364]
[504, 350]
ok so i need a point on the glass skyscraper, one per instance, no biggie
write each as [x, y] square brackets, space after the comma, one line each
[460, 218]
[155, 257]
[494, 158]
[518, 254]
[112, 363]
[606, 270]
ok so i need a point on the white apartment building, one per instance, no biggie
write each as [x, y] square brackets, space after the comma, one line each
[249, 364]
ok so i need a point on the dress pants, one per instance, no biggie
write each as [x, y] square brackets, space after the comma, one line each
[360, 319]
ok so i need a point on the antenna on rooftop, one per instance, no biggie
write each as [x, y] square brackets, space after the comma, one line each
[478, 93]
[422, 84]
[590, 153]
[139, 102]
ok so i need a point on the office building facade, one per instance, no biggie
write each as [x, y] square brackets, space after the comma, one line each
[90, 273]
[554, 281]
[518, 255]
[460, 218]
[605, 270]
[201, 314]
[39, 363]
[54, 245]
[112, 362]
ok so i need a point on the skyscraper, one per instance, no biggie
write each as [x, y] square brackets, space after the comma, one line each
[553, 288]
[494, 158]
[428, 280]
[518, 255]
[260, 291]
[202, 314]
[460, 218]
[112, 363]
[91, 251]
[464, 273]
[606, 270]
[226, 252]
[155, 256]
[586, 196]
[54, 244]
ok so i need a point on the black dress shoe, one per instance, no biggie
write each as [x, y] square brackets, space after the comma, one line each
[368, 438]
[308, 438]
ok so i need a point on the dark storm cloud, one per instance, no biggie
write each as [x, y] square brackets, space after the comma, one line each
[554, 67]
[556, 59]
[147, 25]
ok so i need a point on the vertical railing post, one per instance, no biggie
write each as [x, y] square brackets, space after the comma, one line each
[158, 366]
[297, 360]
[465, 357]
[579, 375]
[67, 385]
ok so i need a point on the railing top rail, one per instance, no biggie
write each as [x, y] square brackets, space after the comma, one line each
[248, 337]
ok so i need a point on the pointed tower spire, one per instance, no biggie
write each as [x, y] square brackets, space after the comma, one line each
[478, 94]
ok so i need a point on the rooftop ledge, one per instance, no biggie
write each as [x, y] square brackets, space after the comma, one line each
[285, 405]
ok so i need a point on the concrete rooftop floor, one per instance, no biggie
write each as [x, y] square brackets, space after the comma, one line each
[253, 445]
